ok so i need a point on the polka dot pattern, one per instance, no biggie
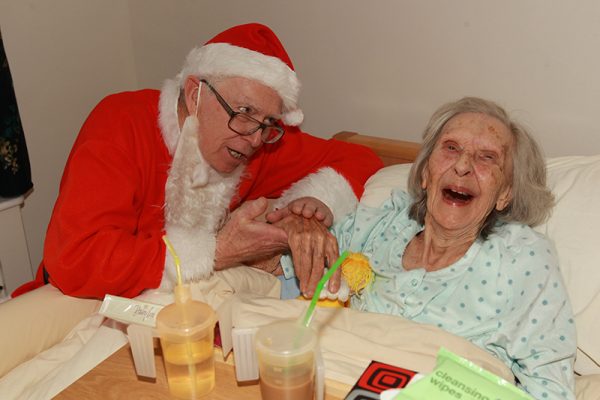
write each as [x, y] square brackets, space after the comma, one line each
[504, 293]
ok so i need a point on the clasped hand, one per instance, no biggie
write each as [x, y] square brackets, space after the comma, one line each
[301, 227]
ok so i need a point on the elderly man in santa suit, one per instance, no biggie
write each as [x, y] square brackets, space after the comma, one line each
[198, 161]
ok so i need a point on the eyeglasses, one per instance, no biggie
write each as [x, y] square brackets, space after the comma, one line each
[245, 125]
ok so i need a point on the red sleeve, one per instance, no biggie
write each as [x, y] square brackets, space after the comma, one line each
[105, 232]
[276, 167]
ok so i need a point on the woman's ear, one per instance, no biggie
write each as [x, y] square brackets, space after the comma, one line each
[504, 198]
[424, 177]
[190, 93]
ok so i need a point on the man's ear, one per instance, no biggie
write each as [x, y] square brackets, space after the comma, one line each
[190, 93]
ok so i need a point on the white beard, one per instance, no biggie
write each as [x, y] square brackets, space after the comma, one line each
[197, 199]
[196, 195]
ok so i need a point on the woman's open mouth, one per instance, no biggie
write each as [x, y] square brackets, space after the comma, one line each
[457, 197]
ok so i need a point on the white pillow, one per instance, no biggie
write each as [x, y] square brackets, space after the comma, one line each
[573, 226]
[379, 186]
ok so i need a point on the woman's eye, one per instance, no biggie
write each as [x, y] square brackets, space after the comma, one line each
[488, 157]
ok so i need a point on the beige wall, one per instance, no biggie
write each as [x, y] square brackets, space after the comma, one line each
[64, 56]
[383, 66]
[379, 67]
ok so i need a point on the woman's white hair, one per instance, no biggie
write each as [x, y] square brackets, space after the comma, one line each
[531, 202]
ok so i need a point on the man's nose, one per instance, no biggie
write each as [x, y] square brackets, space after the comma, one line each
[255, 139]
[464, 164]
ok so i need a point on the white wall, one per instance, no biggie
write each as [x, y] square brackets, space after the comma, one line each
[378, 67]
[64, 56]
[382, 67]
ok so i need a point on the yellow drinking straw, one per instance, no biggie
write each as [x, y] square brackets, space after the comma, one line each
[175, 257]
[182, 295]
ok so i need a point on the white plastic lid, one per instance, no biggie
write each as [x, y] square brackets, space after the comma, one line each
[186, 319]
[287, 337]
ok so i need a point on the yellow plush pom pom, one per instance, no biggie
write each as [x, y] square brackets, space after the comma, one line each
[357, 272]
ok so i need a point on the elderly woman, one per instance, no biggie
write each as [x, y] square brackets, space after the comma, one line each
[458, 250]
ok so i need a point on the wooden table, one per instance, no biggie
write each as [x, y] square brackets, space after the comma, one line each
[115, 378]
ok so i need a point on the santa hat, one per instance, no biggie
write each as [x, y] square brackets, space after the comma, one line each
[249, 51]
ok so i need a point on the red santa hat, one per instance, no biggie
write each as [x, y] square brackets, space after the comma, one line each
[250, 51]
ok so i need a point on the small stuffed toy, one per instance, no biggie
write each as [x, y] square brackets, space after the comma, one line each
[356, 275]
[357, 272]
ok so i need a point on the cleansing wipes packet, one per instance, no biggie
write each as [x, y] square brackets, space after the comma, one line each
[455, 377]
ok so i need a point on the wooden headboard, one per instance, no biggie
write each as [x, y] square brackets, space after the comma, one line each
[391, 151]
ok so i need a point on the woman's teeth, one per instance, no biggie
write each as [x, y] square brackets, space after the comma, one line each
[460, 196]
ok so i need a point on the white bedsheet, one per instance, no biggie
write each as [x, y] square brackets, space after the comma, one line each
[51, 371]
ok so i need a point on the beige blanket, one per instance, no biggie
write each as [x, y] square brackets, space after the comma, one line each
[349, 338]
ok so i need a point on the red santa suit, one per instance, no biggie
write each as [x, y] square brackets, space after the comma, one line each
[131, 177]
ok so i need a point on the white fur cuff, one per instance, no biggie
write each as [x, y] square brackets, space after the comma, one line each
[326, 185]
[196, 251]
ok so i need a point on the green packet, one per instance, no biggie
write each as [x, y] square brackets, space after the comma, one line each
[455, 377]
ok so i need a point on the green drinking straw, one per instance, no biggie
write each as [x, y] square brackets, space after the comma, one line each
[313, 303]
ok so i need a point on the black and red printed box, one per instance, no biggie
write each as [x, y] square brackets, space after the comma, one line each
[378, 377]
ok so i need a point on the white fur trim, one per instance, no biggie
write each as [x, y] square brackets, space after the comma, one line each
[167, 114]
[196, 251]
[293, 118]
[326, 185]
[224, 59]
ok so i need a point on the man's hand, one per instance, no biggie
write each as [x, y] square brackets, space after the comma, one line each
[312, 247]
[270, 265]
[308, 207]
[242, 239]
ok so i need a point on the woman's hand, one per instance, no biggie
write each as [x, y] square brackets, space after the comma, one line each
[308, 207]
[313, 247]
